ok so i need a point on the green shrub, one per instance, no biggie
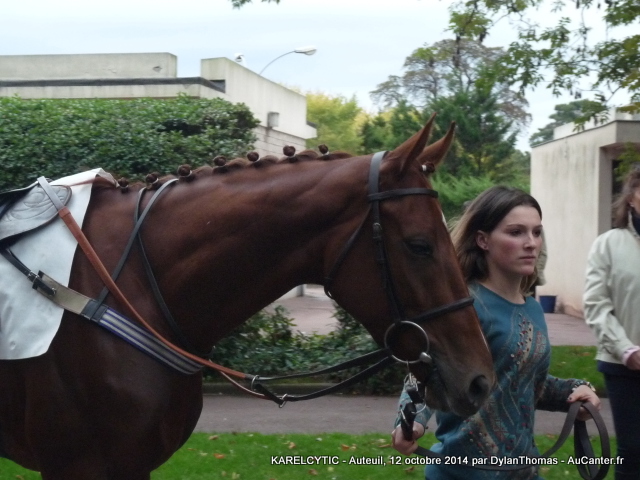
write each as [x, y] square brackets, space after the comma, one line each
[453, 192]
[131, 138]
[266, 345]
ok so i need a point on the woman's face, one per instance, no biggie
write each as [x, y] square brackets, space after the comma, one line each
[512, 248]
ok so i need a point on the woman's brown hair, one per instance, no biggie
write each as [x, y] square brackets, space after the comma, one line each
[621, 205]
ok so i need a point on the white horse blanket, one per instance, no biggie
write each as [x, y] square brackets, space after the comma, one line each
[29, 321]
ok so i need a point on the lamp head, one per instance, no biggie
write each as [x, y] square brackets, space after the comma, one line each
[306, 50]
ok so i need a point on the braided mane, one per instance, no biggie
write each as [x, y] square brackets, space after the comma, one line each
[220, 165]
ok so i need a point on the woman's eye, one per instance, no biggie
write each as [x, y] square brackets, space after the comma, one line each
[422, 249]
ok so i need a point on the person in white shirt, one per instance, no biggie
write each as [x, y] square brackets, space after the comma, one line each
[612, 310]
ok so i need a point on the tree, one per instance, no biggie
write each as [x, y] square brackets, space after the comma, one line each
[484, 144]
[446, 68]
[337, 120]
[240, 3]
[375, 134]
[565, 50]
[564, 113]
[485, 140]
[389, 129]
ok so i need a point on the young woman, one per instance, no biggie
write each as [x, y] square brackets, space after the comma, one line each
[612, 310]
[498, 240]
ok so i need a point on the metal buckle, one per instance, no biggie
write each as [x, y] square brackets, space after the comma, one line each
[424, 356]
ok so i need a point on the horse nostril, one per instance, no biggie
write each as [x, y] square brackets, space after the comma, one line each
[479, 390]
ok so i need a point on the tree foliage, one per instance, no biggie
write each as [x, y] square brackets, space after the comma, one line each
[336, 119]
[484, 144]
[56, 138]
[485, 141]
[562, 56]
[240, 3]
[483, 152]
[564, 113]
[387, 130]
[446, 68]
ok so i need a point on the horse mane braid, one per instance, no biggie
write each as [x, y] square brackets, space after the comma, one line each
[221, 165]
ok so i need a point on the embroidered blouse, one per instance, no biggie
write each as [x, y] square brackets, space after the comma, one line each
[503, 427]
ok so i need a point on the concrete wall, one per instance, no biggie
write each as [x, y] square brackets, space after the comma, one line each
[271, 141]
[261, 95]
[114, 65]
[571, 177]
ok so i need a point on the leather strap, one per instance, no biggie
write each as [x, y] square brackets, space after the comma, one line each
[36, 281]
[155, 288]
[127, 248]
[581, 442]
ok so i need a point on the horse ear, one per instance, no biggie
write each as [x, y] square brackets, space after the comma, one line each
[434, 153]
[408, 152]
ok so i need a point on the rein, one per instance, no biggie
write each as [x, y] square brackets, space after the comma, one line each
[582, 444]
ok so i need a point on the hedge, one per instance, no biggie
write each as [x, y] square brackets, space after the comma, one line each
[266, 345]
[128, 138]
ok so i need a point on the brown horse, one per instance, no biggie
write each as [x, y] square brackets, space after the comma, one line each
[223, 247]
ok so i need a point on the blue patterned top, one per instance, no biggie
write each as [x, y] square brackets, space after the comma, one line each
[503, 427]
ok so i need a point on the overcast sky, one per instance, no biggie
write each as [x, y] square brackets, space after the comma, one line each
[360, 42]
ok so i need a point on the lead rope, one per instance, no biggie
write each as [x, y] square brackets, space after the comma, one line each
[582, 445]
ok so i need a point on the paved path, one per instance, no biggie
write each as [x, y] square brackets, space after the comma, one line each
[349, 413]
[314, 313]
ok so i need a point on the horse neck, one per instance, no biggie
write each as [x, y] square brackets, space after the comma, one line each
[246, 238]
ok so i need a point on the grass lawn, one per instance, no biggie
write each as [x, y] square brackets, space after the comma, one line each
[577, 362]
[254, 456]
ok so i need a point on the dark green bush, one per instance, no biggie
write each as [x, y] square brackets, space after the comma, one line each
[266, 345]
[131, 138]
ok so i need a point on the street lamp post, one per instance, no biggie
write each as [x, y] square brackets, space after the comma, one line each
[303, 50]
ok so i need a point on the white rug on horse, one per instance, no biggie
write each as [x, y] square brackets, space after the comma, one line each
[28, 321]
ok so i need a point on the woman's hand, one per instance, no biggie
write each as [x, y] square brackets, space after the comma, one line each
[633, 362]
[406, 447]
[584, 393]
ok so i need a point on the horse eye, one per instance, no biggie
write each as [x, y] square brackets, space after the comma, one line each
[420, 248]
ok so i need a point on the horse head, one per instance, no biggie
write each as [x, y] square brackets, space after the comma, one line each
[400, 277]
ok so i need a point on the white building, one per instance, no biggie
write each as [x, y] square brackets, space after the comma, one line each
[282, 112]
[572, 178]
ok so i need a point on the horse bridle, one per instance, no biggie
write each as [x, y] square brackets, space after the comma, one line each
[375, 197]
